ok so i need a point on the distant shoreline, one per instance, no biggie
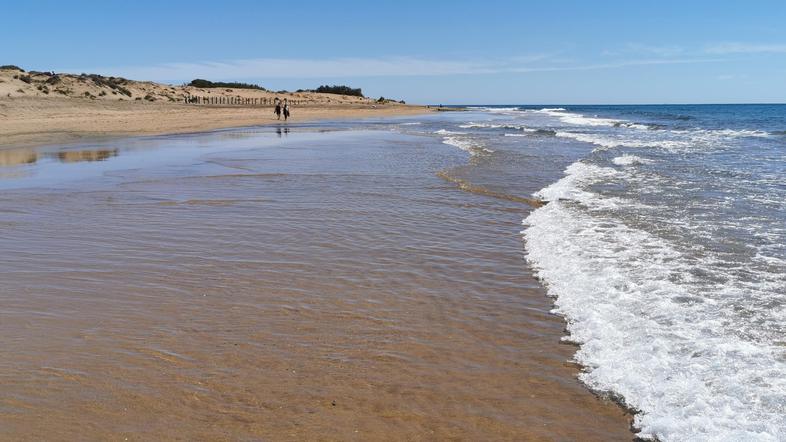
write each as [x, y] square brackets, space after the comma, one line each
[30, 122]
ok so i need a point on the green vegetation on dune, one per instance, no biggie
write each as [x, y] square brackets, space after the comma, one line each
[208, 84]
[341, 90]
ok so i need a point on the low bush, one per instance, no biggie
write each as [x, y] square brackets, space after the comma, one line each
[341, 90]
[199, 82]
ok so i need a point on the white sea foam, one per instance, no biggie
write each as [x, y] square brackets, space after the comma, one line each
[671, 350]
[583, 120]
[609, 140]
[496, 110]
[630, 160]
[496, 126]
[733, 133]
[448, 132]
[467, 144]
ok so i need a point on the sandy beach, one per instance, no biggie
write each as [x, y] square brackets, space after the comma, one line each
[47, 108]
[302, 282]
[38, 121]
[309, 284]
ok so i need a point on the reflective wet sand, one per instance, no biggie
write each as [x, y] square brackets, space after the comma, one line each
[246, 286]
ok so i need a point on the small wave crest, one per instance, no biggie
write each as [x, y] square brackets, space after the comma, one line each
[467, 145]
[630, 160]
[448, 132]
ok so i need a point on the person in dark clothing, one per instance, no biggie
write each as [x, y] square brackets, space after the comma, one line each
[277, 110]
[286, 109]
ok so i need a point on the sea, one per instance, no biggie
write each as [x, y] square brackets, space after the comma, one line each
[662, 241]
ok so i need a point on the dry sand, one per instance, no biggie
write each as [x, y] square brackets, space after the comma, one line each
[42, 108]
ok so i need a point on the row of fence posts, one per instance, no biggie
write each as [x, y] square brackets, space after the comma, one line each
[198, 99]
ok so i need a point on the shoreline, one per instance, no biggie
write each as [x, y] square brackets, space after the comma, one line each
[35, 122]
[423, 345]
[540, 365]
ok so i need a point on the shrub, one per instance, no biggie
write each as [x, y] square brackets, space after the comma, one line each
[11, 67]
[102, 93]
[341, 90]
[149, 97]
[26, 78]
[208, 84]
[113, 83]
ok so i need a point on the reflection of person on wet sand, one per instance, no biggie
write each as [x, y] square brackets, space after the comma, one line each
[280, 131]
[277, 109]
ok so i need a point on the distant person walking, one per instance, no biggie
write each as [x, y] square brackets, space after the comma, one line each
[286, 109]
[277, 110]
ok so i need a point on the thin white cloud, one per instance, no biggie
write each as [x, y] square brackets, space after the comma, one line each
[307, 68]
[746, 48]
[645, 50]
[622, 64]
[271, 68]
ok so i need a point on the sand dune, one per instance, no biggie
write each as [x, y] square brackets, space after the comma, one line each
[45, 108]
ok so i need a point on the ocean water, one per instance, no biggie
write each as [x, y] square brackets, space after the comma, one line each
[663, 244]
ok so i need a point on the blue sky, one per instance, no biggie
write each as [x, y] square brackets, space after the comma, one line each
[458, 52]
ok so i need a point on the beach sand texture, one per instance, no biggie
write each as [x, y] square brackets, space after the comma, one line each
[242, 286]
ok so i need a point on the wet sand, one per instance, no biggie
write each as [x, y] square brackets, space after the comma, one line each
[245, 285]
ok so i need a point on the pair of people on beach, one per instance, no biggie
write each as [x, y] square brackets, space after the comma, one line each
[281, 107]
